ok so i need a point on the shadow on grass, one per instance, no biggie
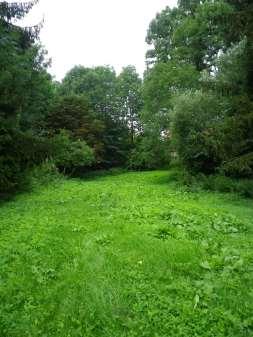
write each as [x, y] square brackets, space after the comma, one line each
[167, 177]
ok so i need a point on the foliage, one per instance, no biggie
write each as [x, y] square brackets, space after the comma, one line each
[71, 155]
[25, 92]
[241, 166]
[10, 11]
[218, 182]
[23, 67]
[209, 136]
[242, 187]
[129, 94]
[195, 102]
[197, 116]
[116, 102]
[203, 34]
[193, 33]
[74, 114]
[133, 254]
[159, 35]
[98, 84]
[149, 153]
[19, 151]
[210, 41]
[45, 174]
[160, 84]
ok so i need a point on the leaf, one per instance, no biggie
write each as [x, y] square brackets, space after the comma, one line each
[233, 230]
[196, 301]
[205, 265]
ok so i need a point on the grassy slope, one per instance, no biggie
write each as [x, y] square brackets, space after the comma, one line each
[125, 255]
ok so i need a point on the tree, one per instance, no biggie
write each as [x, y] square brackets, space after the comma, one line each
[22, 62]
[194, 33]
[15, 10]
[74, 114]
[99, 86]
[160, 84]
[196, 118]
[130, 100]
[160, 35]
[211, 43]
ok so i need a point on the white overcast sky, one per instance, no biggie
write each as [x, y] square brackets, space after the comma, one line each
[95, 32]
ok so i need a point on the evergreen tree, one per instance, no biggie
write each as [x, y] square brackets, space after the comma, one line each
[22, 76]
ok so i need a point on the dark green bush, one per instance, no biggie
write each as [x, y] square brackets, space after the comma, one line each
[71, 155]
[239, 167]
[19, 151]
[220, 183]
[217, 182]
[236, 136]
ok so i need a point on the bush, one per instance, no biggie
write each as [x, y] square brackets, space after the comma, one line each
[239, 167]
[149, 153]
[237, 138]
[220, 183]
[44, 174]
[213, 134]
[195, 121]
[19, 152]
[217, 182]
[69, 155]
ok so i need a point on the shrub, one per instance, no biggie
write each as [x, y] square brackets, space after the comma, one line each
[19, 151]
[237, 138]
[196, 119]
[214, 182]
[239, 167]
[221, 183]
[44, 174]
[149, 153]
[71, 156]
[74, 114]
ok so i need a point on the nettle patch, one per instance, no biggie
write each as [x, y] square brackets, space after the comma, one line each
[214, 233]
[196, 225]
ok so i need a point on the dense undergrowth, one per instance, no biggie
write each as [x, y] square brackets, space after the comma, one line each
[215, 182]
[127, 254]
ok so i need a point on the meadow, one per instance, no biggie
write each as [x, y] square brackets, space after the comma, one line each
[127, 254]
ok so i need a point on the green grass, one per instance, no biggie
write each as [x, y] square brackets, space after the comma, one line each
[126, 255]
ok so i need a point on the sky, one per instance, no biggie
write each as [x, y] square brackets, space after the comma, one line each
[95, 32]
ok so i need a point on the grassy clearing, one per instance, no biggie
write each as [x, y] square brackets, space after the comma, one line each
[126, 255]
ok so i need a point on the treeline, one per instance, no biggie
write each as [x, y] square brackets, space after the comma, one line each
[88, 121]
[198, 91]
[194, 105]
